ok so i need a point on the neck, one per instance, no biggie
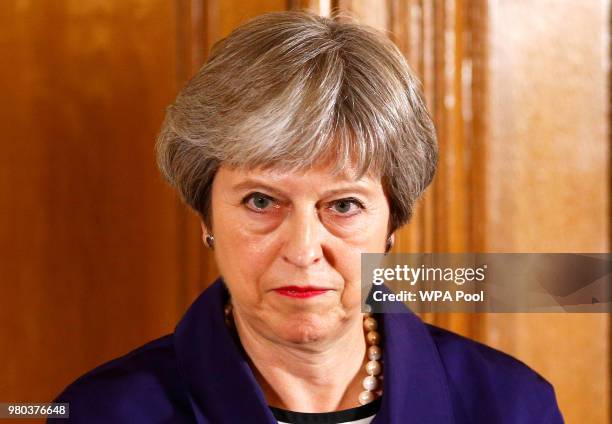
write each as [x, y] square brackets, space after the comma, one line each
[306, 378]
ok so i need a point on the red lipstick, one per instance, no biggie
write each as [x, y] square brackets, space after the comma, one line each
[300, 292]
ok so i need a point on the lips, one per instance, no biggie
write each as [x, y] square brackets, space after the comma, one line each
[301, 292]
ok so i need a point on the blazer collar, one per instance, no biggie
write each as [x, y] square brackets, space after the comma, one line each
[222, 387]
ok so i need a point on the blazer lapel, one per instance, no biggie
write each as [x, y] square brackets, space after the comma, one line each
[415, 387]
[221, 386]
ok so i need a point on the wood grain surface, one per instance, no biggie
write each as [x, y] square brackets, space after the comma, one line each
[98, 255]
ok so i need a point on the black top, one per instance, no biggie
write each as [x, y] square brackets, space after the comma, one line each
[346, 415]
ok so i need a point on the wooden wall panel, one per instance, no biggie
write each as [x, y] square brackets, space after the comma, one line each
[88, 231]
[548, 186]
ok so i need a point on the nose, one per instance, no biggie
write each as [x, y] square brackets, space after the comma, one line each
[302, 246]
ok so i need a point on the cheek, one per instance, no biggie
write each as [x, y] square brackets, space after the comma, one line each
[371, 239]
[241, 256]
[348, 265]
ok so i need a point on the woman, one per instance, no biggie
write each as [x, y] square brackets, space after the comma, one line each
[302, 143]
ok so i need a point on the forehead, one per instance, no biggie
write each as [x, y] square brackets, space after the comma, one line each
[312, 178]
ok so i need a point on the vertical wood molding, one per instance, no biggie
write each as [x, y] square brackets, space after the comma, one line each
[437, 39]
[196, 23]
[548, 185]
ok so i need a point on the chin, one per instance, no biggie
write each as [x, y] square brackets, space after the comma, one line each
[305, 328]
[311, 327]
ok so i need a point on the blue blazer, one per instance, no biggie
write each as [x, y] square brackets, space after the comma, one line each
[199, 375]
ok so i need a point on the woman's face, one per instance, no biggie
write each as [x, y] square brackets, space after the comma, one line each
[288, 246]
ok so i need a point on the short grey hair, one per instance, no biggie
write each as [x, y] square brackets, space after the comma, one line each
[290, 90]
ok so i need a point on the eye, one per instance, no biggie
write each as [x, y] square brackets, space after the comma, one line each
[258, 201]
[346, 206]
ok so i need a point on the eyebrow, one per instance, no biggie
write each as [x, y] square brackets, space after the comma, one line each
[252, 184]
